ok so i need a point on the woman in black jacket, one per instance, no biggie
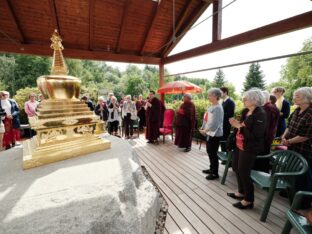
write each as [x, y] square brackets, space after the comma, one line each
[250, 142]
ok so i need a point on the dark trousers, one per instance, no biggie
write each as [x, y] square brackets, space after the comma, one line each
[242, 164]
[113, 126]
[128, 125]
[212, 146]
[304, 182]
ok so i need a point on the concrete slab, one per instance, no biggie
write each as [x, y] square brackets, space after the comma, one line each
[103, 192]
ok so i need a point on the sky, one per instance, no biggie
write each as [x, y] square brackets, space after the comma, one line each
[238, 17]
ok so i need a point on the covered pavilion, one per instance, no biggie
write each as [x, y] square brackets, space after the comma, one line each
[132, 31]
[146, 31]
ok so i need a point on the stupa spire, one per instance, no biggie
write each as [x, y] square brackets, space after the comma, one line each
[58, 65]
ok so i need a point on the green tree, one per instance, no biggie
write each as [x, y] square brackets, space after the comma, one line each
[254, 77]
[298, 71]
[7, 67]
[219, 79]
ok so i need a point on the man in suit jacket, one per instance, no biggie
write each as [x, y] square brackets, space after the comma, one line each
[228, 109]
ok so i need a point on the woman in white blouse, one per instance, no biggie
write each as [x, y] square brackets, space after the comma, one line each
[113, 116]
[129, 113]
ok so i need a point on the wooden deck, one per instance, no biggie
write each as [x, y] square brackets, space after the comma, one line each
[200, 206]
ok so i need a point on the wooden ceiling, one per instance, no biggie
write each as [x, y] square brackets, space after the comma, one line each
[113, 30]
[133, 31]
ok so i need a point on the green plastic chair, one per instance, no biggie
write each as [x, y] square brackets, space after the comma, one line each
[287, 165]
[225, 157]
[295, 220]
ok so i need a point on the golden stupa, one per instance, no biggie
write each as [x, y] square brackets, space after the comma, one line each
[65, 125]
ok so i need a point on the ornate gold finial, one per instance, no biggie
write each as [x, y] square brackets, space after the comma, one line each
[58, 66]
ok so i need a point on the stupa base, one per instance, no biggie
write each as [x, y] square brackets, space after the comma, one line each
[35, 156]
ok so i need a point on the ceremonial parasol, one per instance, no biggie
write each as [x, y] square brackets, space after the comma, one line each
[180, 86]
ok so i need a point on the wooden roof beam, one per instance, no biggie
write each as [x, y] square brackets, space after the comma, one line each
[185, 13]
[152, 23]
[54, 16]
[18, 29]
[216, 20]
[284, 26]
[123, 24]
[91, 24]
[44, 50]
[187, 24]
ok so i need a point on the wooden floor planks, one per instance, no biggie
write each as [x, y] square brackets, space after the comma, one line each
[200, 206]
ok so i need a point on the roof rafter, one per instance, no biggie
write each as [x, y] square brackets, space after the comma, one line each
[14, 20]
[123, 24]
[185, 13]
[54, 16]
[91, 24]
[186, 25]
[284, 26]
[217, 20]
[44, 50]
[151, 24]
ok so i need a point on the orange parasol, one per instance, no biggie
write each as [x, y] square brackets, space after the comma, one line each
[179, 86]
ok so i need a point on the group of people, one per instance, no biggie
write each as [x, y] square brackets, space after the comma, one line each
[263, 119]
[147, 113]
[10, 121]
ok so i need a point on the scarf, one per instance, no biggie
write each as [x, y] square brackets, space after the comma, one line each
[279, 103]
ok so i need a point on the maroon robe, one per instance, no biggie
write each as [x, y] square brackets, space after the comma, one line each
[153, 120]
[272, 114]
[185, 123]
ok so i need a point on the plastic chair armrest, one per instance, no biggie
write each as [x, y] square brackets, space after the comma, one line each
[298, 199]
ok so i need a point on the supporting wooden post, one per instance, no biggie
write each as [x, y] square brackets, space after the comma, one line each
[162, 80]
[217, 20]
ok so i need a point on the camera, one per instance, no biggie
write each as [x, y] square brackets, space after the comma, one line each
[2, 113]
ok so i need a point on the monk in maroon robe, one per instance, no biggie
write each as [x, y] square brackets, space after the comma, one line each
[153, 109]
[185, 123]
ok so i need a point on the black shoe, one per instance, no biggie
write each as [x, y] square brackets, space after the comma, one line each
[208, 171]
[239, 205]
[232, 195]
[223, 162]
[149, 142]
[212, 177]
[187, 150]
[8, 147]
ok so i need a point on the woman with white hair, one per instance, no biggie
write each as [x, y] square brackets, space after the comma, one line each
[129, 113]
[298, 135]
[113, 116]
[101, 109]
[214, 132]
[272, 116]
[185, 123]
[11, 121]
[250, 135]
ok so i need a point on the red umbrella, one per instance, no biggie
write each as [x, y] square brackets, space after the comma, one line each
[179, 86]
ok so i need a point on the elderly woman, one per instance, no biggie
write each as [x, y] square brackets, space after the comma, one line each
[129, 113]
[284, 107]
[250, 138]
[214, 132]
[101, 109]
[272, 115]
[113, 116]
[298, 135]
[11, 121]
[185, 123]
[2, 130]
